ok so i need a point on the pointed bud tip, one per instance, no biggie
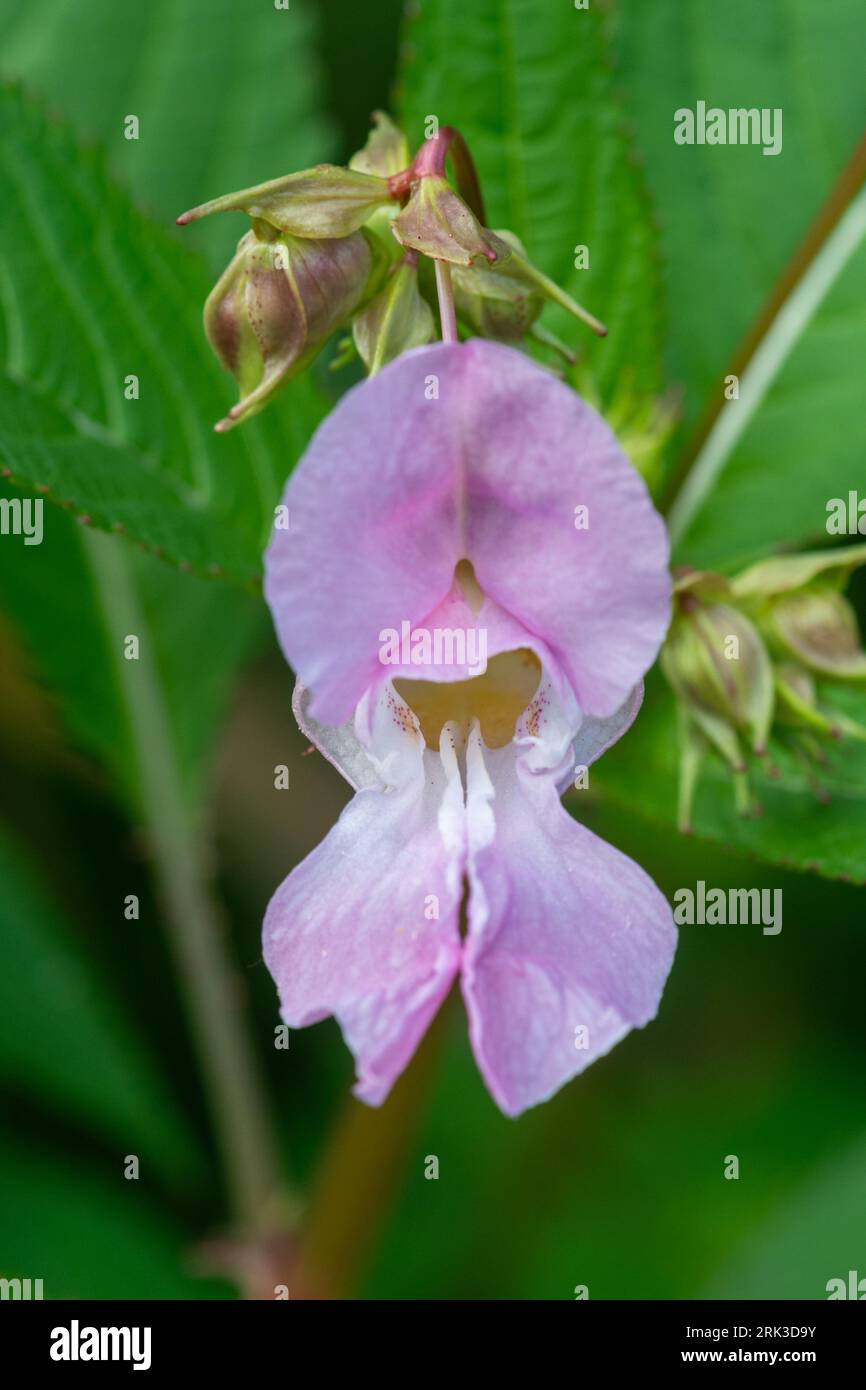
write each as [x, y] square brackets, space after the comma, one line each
[222, 425]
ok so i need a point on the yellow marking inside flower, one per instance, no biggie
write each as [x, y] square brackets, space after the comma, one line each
[469, 586]
[497, 699]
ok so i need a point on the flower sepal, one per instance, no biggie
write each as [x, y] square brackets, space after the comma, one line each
[386, 152]
[324, 202]
[396, 319]
[437, 223]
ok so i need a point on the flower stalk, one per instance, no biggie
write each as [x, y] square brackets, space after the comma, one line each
[447, 313]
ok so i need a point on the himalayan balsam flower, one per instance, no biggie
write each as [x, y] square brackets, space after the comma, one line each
[464, 494]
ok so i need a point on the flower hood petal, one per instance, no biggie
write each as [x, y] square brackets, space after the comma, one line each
[467, 452]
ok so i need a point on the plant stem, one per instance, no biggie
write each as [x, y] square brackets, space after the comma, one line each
[196, 937]
[430, 160]
[466, 175]
[360, 1172]
[445, 291]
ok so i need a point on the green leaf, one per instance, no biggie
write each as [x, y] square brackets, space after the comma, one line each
[110, 484]
[85, 1236]
[528, 85]
[226, 95]
[64, 1038]
[795, 829]
[48, 596]
[66, 615]
[733, 225]
[741, 1051]
[815, 1238]
[90, 295]
[731, 218]
[795, 437]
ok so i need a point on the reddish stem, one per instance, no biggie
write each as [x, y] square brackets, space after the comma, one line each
[466, 176]
[430, 162]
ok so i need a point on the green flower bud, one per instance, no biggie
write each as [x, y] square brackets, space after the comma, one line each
[796, 601]
[386, 152]
[437, 223]
[503, 301]
[792, 624]
[819, 628]
[702, 584]
[716, 662]
[278, 302]
[396, 319]
[782, 573]
[324, 202]
[797, 706]
[492, 302]
[797, 700]
[717, 665]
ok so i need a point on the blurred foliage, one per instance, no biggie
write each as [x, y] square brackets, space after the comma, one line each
[226, 95]
[91, 1235]
[730, 218]
[73, 601]
[530, 87]
[618, 1182]
[63, 1036]
[821, 1230]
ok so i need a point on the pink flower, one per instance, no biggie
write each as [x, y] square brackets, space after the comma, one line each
[466, 491]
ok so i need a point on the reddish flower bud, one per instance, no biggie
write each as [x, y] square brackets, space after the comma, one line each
[278, 302]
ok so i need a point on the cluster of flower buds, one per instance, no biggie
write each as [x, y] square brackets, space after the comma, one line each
[335, 247]
[748, 658]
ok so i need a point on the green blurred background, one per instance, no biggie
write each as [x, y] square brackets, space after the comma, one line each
[618, 1182]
